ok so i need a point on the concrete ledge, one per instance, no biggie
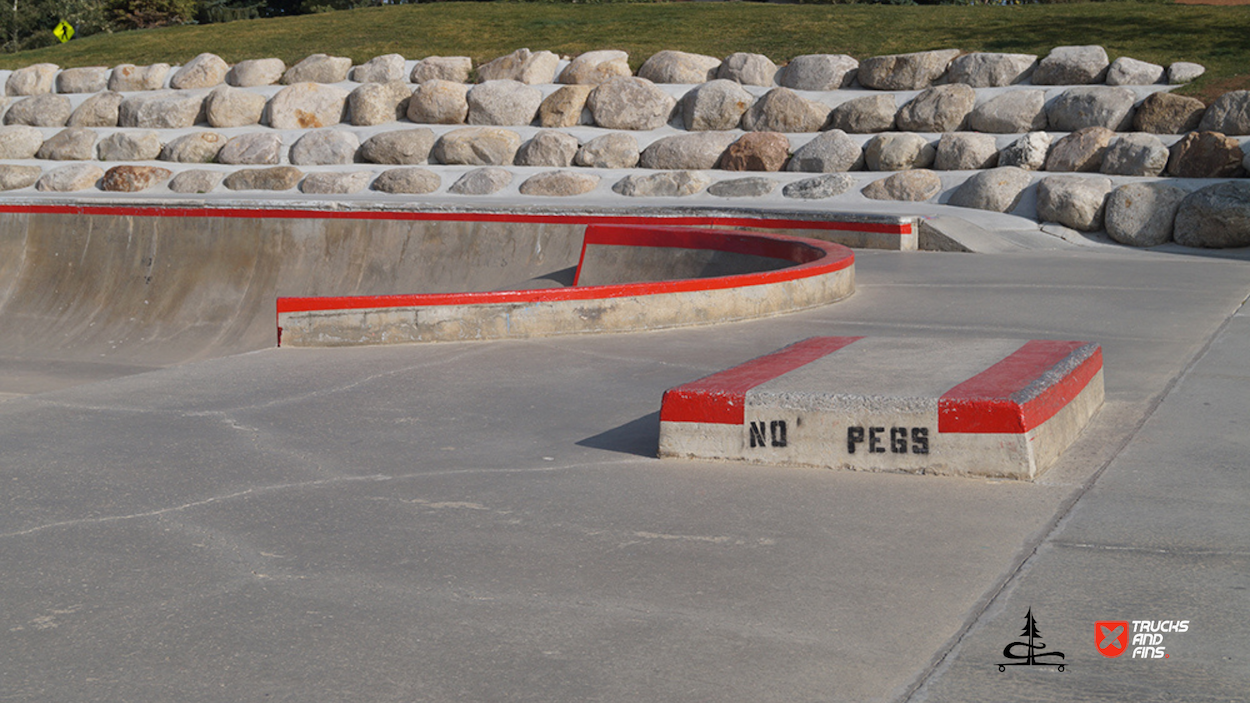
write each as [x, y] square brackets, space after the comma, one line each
[978, 407]
[816, 273]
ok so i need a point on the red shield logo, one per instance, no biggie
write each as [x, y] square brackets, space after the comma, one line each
[1111, 637]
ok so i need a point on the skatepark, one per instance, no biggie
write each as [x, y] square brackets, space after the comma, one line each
[477, 509]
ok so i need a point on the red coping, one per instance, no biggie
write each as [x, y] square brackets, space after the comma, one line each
[721, 397]
[814, 258]
[268, 213]
[1011, 396]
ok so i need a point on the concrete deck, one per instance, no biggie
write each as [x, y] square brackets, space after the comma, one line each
[486, 521]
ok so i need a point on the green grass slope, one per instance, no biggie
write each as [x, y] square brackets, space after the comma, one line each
[1217, 37]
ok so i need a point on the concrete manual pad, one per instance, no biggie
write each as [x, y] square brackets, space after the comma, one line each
[988, 407]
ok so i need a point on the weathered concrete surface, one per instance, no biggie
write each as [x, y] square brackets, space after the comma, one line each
[309, 523]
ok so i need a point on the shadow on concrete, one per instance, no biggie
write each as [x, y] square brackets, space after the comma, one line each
[639, 437]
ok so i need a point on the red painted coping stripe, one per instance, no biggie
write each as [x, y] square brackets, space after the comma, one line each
[1022, 391]
[269, 213]
[685, 238]
[813, 256]
[721, 397]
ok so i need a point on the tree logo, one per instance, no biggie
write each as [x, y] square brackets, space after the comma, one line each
[1032, 656]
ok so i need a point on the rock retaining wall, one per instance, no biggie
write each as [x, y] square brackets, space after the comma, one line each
[1097, 143]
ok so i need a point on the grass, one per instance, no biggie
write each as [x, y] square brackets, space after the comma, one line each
[1217, 37]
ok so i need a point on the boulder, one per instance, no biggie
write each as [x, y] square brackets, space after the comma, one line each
[335, 183]
[867, 115]
[88, 79]
[898, 151]
[1168, 113]
[820, 72]
[818, 187]
[70, 144]
[404, 146]
[503, 102]
[630, 103]
[668, 184]
[693, 151]
[1205, 155]
[751, 187]
[595, 67]
[942, 108]
[203, 71]
[481, 181]
[905, 71]
[612, 150]
[46, 110]
[559, 184]
[1072, 65]
[455, 69]
[196, 181]
[748, 69]
[1092, 106]
[130, 146]
[388, 68]
[996, 190]
[1027, 152]
[1184, 72]
[523, 66]
[477, 146]
[13, 176]
[408, 181]
[679, 67]
[1141, 214]
[757, 151]
[378, 103]
[1073, 201]
[548, 148]
[160, 110]
[439, 102]
[35, 79]
[830, 151]
[325, 146]
[965, 151]
[253, 149]
[783, 110]
[317, 68]
[128, 77]
[18, 142]
[1229, 114]
[273, 178]
[1081, 150]
[1012, 112]
[132, 179]
[1135, 155]
[715, 105]
[70, 178]
[194, 148]
[987, 70]
[1215, 217]
[913, 186]
[99, 110]
[230, 107]
[307, 106]
[563, 108]
[252, 72]
[1126, 71]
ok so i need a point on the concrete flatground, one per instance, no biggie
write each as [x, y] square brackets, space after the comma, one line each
[486, 521]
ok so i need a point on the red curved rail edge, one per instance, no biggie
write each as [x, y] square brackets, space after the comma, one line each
[811, 258]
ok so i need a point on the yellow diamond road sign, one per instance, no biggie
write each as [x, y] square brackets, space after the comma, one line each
[64, 31]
